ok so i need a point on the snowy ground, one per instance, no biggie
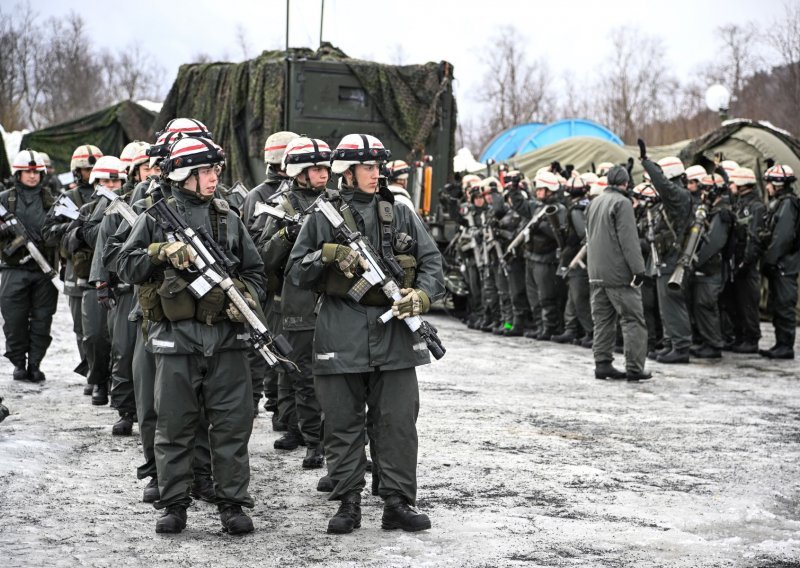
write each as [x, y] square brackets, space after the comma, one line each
[525, 460]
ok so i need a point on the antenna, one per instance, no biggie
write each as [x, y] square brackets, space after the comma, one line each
[321, 21]
[287, 26]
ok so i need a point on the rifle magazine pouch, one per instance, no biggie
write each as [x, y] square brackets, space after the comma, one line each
[150, 302]
[82, 263]
[177, 302]
[210, 308]
[409, 265]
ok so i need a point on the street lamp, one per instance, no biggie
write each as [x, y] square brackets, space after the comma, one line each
[718, 99]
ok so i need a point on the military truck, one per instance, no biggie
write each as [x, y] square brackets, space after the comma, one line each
[322, 94]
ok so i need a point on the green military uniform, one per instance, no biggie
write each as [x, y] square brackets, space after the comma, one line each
[297, 400]
[360, 363]
[614, 258]
[28, 298]
[55, 226]
[577, 277]
[781, 263]
[670, 231]
[198, 366]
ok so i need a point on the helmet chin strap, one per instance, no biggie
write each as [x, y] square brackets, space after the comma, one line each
[352, 170]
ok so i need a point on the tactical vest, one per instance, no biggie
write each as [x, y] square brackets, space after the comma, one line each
[16, 258]
[336, 284]
[167, 295]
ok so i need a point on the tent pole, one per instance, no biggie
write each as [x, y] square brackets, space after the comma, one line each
[287, 25]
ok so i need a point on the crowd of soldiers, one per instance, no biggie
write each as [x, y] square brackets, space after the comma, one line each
[708, 239]
[191, 301]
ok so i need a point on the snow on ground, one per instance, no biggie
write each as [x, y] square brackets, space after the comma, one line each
[525, 460]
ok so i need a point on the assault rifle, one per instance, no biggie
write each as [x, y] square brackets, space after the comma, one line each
[66, 207]
[265, 208]
[577, 260]
[214, 267]
[117, 205]
[689, 254]
[651, 239]
[383, 274]
[548, 210]
[20, 239]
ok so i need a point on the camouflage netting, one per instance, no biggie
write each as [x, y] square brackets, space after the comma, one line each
[242, 103]
[109, 129]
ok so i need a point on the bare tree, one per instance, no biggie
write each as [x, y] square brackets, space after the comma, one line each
[20, 49]
[242, 42]
[784, 37]
[638, 85]
[739, 57]
[133, 74]
[514, 90]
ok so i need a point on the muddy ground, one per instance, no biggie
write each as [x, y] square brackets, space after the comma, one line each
[525, 460]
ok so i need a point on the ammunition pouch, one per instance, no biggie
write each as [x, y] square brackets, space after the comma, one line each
[337, 285]
[210, 308]
[150, 302]
[177, 303]
[82, 263]
[409, 265]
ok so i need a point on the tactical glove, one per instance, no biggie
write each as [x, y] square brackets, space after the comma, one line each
[638, 280]
[177, 253]
[105, 295]
[233, 312]
[343, 257]
[290, 232]
[413, 303]
[642, 149]
[6, 231]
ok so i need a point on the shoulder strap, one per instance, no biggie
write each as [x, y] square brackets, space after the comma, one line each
[12, 200]
[286, 202]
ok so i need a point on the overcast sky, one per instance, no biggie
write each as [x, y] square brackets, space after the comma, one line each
[568, 34]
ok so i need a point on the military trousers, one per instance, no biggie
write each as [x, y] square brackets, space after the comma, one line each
[517, 292]
[28, 301]
[503, 294]
[297, 399]
[611, 304]
[579, 295]
[96, 340]
[781, 304]
[475, 299]
[489, 294]
[674, 314]
[75, 304]
[651, 314]
[742, 299]
[550, 289]
[532, 293]
[187, 385]
[705, 307]
[389, 401]
[123, 343]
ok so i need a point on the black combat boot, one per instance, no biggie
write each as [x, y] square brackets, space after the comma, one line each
[151, 493]
[234, 520]
[348, 517]
[490, 325]
[398, 514]
[87, 390]
[588, 341]
[289, 441]
[35, 374]
[278, 425]
[532, 333]
[606, 370]
[203, 488]
[20, 372]
[376, 484]
[636, 376]
[123, 426]
[500, 329]
[567, 337]
[325, 484]
[315, 458]
[173, 520]
[675, 356]
[4, 412]
[705, 352]
[778, 351]
[745, 347]
[100, 395]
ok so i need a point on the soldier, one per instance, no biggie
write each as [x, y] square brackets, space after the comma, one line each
[55, 226]
[668, 179]
[79, 241]
[28, 298]
[307, 162]
[741, 296]
[647, 208]
[50, 179]
[710, 268]
[397, 175]
[198, 344]
[543, 252]
[472, 254]
[781, 260]
[265, 379]
[363, 367]
[579, 328]
[616, 273]
[518, 214]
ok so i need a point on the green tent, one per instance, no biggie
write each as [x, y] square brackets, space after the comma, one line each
[109, 129]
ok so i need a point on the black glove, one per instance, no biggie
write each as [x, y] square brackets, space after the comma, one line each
[105, 296]
[6, 231]
[638, 280]
[555, 167]
[292, 231]
[642, 149]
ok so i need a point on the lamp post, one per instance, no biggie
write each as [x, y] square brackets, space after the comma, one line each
[718, 99]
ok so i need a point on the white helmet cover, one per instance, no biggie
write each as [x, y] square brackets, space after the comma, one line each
[108, 167]
[358, 149]
[188, 154]
[303, 152]
[27, 161]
